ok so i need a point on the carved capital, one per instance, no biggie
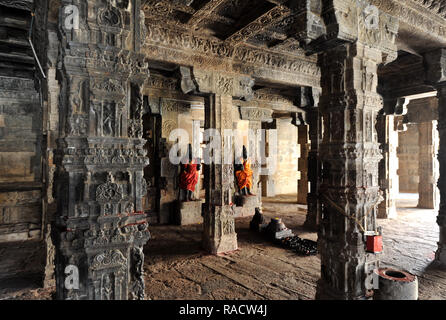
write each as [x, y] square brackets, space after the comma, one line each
[357, 20]
[256, 114]
[435, 62]
[225, 84]
[310, 25]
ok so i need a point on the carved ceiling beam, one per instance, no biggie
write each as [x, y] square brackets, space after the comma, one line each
[258, 25]
[421, 23]
[264, 100]
[184, 48]
[404, 77]
[162, 6]
[422, 110]
[436, 66]
[204, 12]
[438, 7]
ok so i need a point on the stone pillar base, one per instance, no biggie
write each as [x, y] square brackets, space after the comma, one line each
[246, 206]
[325, 293]
[226, 243]
[440, 254]
[387, 213]
[188, 213]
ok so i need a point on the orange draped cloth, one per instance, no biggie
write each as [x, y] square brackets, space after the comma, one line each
[189, 176]
[244, 177]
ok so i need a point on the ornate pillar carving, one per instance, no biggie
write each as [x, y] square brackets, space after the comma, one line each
[100, 228]
[349, 151]
[219, 225]
[436, 70]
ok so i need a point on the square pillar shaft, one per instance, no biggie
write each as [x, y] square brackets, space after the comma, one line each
[388, 167]
[302, 184]
[428, 165]
[350, 155]
[219, 225]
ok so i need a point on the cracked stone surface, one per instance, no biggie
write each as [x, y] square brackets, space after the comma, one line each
[177, 268]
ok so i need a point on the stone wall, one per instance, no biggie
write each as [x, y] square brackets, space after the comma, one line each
[20, 178]
[408, 153]
[288, 152]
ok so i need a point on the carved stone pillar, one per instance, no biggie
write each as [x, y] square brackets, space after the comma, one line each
[219, 226]
[441, 219]
[350, 154]
[428, 165]
[100, 228]
[349, 55]
[408, 152]
[388, 167]
[314, 120]
[424, 113]
[255, 116]
[302, 183]
[436, 70]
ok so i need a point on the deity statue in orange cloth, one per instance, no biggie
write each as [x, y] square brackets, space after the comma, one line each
[189, 175]
[243, 174]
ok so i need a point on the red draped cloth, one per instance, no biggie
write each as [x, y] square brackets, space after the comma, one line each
[244, 177]
[189, 176]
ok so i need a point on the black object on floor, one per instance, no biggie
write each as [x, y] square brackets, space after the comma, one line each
[302, 247]
[282, 236]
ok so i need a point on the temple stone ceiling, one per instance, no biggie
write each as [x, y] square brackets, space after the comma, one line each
[271, 24]
[260, 23]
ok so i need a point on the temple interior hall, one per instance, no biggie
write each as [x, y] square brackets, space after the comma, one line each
[222, 150]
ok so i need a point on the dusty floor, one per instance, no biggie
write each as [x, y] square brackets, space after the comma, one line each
[258, 270]
[410, 242]
[176, 267]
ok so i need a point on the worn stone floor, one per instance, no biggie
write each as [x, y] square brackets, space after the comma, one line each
[177, 268]
[410, 242]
